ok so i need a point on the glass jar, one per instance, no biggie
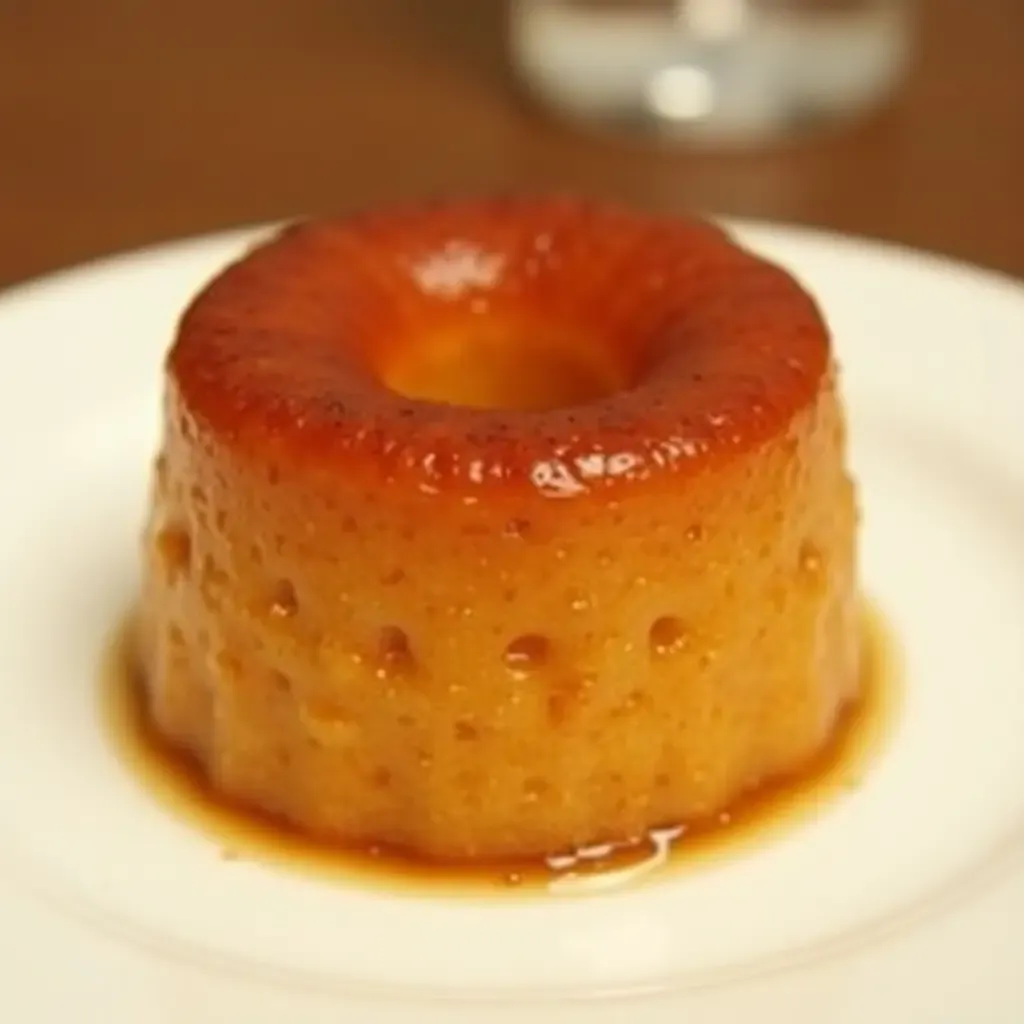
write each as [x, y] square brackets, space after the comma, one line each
[717, 71]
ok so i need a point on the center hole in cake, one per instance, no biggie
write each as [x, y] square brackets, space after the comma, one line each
[493, 364]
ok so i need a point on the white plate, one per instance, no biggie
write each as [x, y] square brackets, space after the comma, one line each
[902, 901]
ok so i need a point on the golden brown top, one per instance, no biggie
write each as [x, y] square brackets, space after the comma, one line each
[559, 346]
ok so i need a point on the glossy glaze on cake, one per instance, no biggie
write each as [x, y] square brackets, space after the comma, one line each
[619, 599]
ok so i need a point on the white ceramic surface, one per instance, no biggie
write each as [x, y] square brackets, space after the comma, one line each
[902, 901]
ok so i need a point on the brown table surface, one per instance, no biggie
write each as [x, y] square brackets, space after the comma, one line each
[123, 122]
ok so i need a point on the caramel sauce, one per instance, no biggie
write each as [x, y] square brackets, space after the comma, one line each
[180, 785]
[509, 363]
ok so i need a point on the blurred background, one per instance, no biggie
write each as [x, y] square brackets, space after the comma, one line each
[124, 122]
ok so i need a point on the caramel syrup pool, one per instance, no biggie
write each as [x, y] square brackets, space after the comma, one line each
[179, 784]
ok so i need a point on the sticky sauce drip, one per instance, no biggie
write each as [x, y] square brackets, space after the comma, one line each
[180, 786]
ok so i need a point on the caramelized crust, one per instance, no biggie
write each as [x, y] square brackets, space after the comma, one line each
[477, 632]
[288, 352]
